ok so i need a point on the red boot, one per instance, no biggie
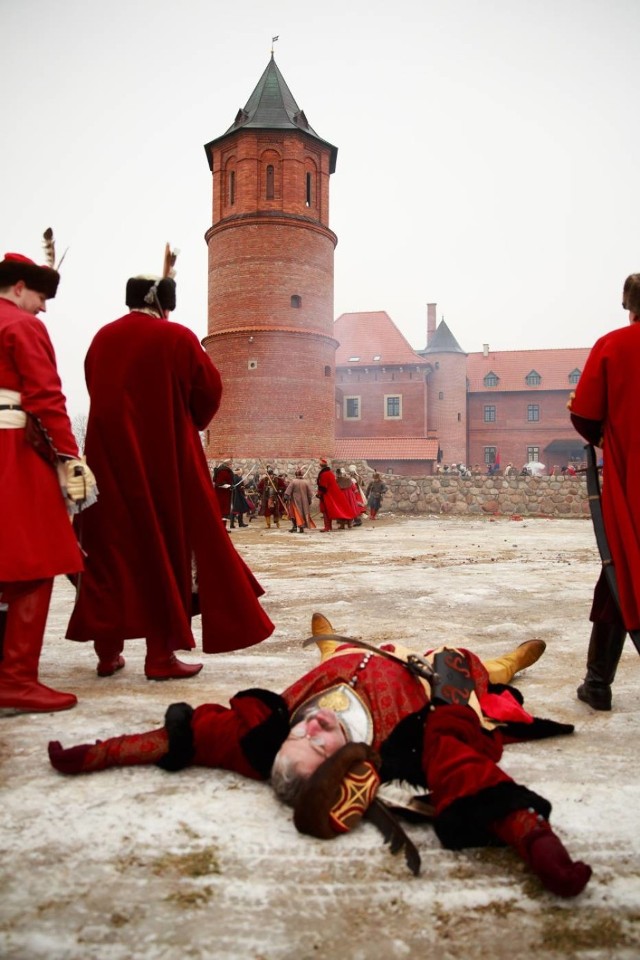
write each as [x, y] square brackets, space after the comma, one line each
[532, 837]
[162, 664]
[24, 633]
[127, 751]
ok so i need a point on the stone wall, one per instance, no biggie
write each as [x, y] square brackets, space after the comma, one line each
[481, 495]
[459, 496]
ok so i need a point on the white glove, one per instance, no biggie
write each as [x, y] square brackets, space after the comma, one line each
[79, 481]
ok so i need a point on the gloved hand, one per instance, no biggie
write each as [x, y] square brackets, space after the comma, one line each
[79, 480]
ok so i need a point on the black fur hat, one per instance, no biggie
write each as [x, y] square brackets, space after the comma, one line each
[143, 291]
[15, 267]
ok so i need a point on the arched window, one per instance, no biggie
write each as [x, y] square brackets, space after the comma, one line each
[270, 182]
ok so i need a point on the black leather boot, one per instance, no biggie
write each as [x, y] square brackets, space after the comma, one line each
[605, 649]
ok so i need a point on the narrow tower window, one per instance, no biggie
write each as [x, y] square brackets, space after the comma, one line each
[309, 199]
[232, 187]
[296, 301]
[270, 182]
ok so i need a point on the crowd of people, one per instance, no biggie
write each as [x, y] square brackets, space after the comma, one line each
[534, 468]
[339, 496]
[148, 550]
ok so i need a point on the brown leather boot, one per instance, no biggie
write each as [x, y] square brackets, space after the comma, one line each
[20, 689]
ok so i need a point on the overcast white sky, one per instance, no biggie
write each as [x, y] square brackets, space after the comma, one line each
[488, 153]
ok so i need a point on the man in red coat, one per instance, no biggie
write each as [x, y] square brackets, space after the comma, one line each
[605, 410]
[157, 550]
[334, 504]
[37, 541]
[358, 719]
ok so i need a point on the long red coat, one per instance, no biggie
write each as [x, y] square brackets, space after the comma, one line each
[152, 388]
[607, 392]
[333, 501]
[36, 538]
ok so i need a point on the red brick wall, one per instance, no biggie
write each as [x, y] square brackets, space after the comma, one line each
[292, 154]
[372, 388]
[512, 433]
[283, 405]
[447, 414]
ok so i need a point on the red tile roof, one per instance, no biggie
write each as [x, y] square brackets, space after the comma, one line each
[386, 448]
[512, 366]
[368, 335]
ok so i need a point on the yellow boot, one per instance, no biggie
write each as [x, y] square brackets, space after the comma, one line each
[503, 669]
[319, 626]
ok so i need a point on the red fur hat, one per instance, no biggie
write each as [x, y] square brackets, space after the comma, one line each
[15, 267]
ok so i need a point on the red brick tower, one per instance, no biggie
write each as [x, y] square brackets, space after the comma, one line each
[446, 390]
[271, 281]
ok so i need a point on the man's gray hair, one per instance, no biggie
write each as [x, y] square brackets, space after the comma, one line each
[285, 779]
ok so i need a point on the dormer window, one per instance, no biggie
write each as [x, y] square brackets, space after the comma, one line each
[574, 376]
[533, 379]
[353, 359]
[491, 380]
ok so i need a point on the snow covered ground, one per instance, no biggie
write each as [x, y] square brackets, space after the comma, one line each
[138, 863]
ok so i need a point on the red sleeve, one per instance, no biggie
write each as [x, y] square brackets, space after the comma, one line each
[40, 386]
[206, 386]
[243, 737]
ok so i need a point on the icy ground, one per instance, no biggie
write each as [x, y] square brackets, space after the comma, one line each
[138, 863]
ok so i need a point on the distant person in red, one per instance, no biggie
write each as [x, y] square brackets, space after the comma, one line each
[333, 501]
[157, 550]
[223, 482]
[37, 541]
[605, 410]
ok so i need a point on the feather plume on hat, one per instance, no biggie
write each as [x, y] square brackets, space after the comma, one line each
[49, 245]
[170, 257]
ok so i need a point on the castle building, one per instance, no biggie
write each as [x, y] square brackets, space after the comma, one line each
[296, 385]
[404, 410]
[270, 317]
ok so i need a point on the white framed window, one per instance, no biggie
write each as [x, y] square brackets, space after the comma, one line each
[393, 406]
[351, 408]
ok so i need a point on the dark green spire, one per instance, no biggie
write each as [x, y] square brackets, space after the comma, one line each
[272, 106]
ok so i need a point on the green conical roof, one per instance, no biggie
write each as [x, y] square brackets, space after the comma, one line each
[443, 342]
[272, 106]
